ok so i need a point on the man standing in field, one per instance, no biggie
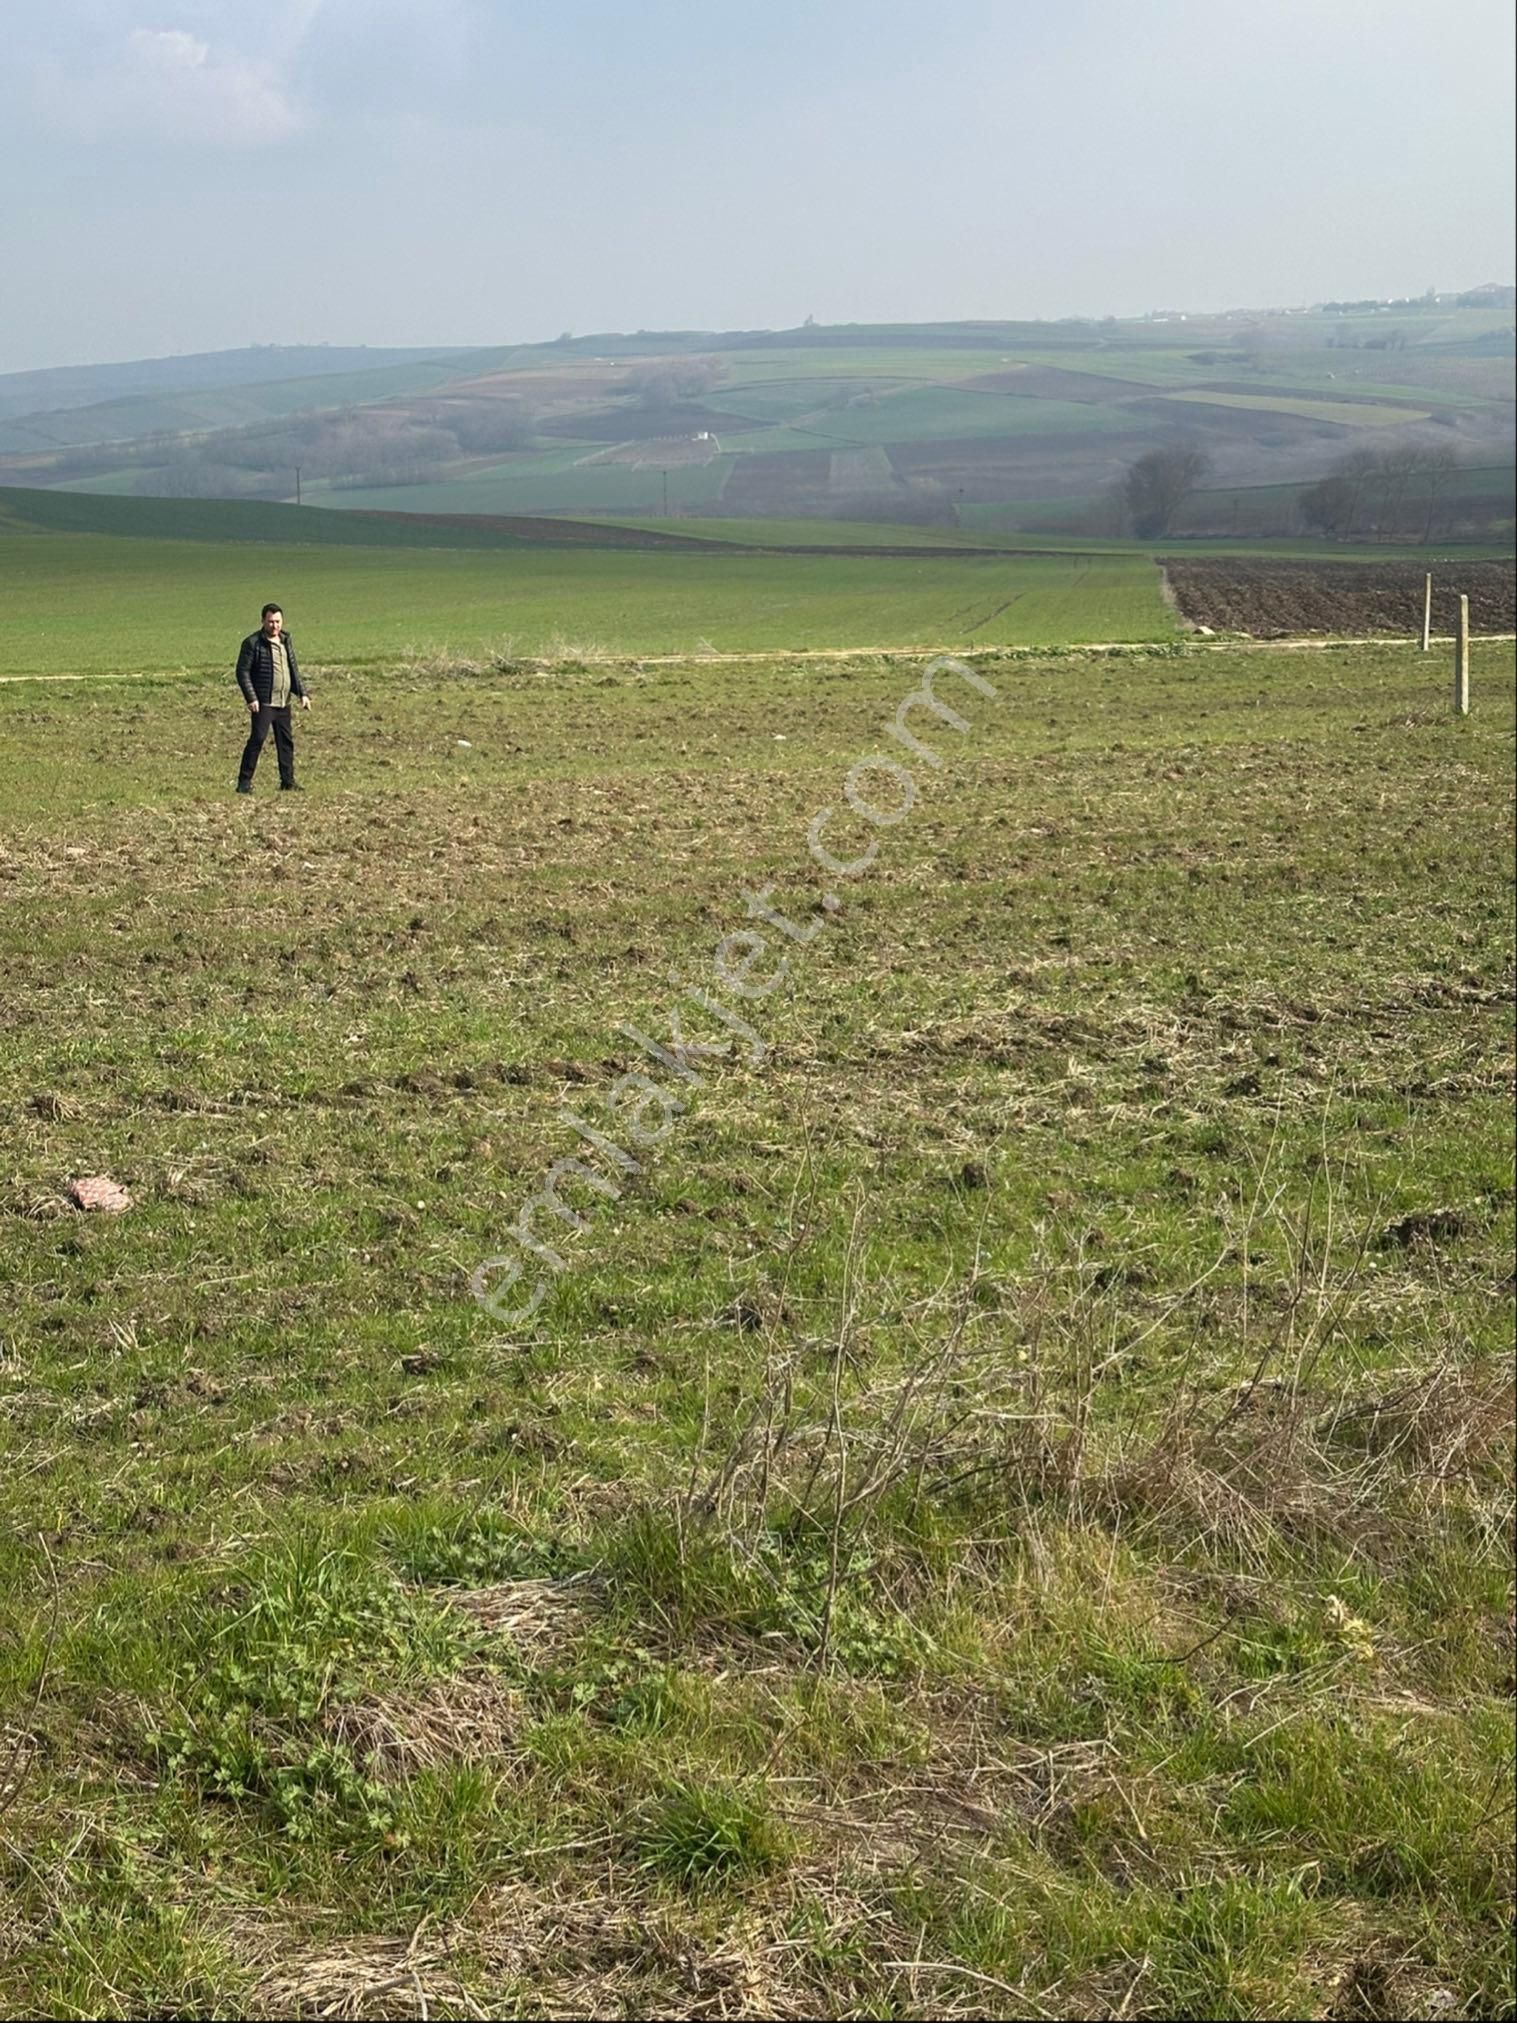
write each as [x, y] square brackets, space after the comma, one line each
[268, 675]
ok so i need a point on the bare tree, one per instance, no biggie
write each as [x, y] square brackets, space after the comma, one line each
[482, 426]
[1343, 499]
[1159, 483]
[1360, 469]
[1329, 505]
[1437, 463]
[1377, 491]
[1398, 465]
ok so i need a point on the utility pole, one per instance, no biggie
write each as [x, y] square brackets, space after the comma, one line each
[297, 484]
[666, 494]
[1462, 661]
[1427, 614]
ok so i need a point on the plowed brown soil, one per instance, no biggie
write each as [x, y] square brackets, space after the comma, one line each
[1274, 599]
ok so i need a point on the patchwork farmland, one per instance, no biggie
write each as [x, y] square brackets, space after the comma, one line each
[1004, 427]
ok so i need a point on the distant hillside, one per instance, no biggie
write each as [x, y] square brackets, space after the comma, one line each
[67, 386]
[248, 523]
[998, 427]
[172, 416]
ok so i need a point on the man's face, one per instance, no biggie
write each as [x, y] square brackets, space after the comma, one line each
[273, 624]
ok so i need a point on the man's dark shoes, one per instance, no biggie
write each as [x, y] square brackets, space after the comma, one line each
[291, 787]
[243, 787]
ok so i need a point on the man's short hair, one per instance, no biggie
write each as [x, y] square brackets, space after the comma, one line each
[271, 607]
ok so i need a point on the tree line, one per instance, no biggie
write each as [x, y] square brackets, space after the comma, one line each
[666, 381]
[1403, 492]
[1398, 493]
[352, 448]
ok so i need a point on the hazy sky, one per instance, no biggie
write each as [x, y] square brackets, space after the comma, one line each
[183, 175]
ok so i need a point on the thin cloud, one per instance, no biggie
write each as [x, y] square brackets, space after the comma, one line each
[167, 86]
[294, 26]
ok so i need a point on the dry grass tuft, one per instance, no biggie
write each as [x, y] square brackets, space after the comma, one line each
[1358, 1470]
[589, 1955]
[918, 1813]
[464, 1720]
[370, 1977]
[1383, 1981]
[1449, 1423]
[608, 1954]
[536, 1615]
[34, 1204]
[1250, 1487]
[52, 1107]
[18, 1749]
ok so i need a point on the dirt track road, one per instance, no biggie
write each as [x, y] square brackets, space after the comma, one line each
[1317, 643]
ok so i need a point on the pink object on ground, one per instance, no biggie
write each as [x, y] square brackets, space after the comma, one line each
[99, 1192]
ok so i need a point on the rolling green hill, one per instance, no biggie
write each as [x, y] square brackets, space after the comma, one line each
[243, 522]
[219, 407]
[1016, 426]
[54, 388]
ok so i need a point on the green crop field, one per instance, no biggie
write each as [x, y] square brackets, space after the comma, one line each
[782, 400]
[250, 527]
[943, 414]
[905, 359]
[567, 481]
[1345, 414]
[773, 533]
[1001, 1505]
[80, 603]
[928, 415]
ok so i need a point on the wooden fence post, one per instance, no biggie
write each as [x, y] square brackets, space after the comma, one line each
[1427, 614]
[1462, 661]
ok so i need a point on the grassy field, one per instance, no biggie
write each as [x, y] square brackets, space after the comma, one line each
[775, 533]
[254, 527]
[84, 603]
[1005, 1511]
[928, 414]
[1345, 414]
[558, 481]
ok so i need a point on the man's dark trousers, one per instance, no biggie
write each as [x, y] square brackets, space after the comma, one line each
[263, 720]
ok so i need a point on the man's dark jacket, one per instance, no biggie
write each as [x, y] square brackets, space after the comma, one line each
[255, 669]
